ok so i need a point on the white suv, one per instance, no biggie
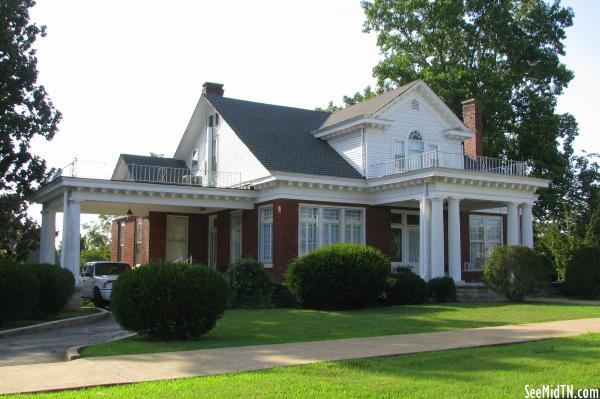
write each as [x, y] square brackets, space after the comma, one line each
[97, 280]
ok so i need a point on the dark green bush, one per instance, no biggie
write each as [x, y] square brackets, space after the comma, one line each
[583, 273]
[249, 285]
[56, 287]
[19, 292]
[338, 276]
[442, 289]
[404, 287]
[169, 300]
[281, 297]
[516, 271]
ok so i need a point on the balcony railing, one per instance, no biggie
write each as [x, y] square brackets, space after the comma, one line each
[147, 174]
[445, 159]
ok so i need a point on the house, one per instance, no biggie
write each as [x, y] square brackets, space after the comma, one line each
[400, 172]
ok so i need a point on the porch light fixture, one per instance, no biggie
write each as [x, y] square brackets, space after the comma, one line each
[129, 214]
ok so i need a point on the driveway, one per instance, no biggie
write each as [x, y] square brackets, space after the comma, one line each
[51, 346]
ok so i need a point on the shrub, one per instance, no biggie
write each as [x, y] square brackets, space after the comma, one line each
[404, 287]
[583, 273]
[249, 285]
[169, 300]
[56, 287]
[516, 271]
[281, 297]
[442, 289]
[338, 276]
[19, 292]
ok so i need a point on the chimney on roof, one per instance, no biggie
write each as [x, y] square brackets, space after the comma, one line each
[213, 88]
[473, 119]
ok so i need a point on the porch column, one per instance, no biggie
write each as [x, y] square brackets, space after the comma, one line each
[454, 268]
[437, 237]
[512, 232]
[526, 225]
[47, 237]
[424, 223]
[70, 251]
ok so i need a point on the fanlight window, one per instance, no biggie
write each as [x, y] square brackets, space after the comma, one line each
[415, 135]
[415, 143]
[414, 104]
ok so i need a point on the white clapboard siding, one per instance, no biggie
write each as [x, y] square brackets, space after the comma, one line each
[349, 146]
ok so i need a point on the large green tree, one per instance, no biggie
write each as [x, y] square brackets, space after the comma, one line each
[505, 53]
[25, 112]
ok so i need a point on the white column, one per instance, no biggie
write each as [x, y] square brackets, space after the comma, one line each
[437, 237]
[47, 237]
[70, 251]
[454, 268]
[526, 225]
[424, 223]
[512, 230]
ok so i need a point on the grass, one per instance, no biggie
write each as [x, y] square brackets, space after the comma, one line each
[492, 372]
[65, 314]
[271, 326]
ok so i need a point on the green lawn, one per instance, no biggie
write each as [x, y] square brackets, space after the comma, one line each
[493, 372]
[270, 326]
[66, 314]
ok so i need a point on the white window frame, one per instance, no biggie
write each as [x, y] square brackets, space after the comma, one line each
[485, 218]
[320, 224]
[267, 262]
[186, 231]
[406, 228]
[121, 239]
[233, 255]
[137, 242]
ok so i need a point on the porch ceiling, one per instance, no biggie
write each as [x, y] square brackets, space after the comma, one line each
[116, 197]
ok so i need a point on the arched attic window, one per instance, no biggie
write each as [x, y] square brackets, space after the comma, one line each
[416, 145]
[414, 104]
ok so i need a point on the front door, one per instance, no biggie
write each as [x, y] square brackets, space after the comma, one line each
[177, 237]
[212, 241]
[396, 246]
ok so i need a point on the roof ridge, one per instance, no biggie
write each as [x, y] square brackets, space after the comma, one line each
[209, 96]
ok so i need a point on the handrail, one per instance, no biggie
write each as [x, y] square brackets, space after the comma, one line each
[446, 159]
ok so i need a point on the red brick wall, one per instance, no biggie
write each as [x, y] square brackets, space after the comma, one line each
[145, 248]
[157, 236]
[285, 235]
[198, 238]
[473, 118]
[378, 232]
[223, 234]
[250, 233]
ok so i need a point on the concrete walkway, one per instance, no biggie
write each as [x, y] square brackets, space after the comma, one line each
[564, 301]
[51, 346]
[161, 366]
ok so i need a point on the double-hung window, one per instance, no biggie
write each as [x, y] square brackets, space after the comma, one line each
[485, 234]
[138, 241]
[399, 156]
[325, 225]
[265, 234]
[121, 253]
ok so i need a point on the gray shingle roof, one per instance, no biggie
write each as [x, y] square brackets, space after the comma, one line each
[367, 107]
[280, 137]
[153, 161]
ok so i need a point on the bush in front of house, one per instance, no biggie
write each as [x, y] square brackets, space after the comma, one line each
[19, 292]
[56, 287]
[442, 289]
[403, 287]
[249, 284]
[338, 276]
[516, 271]
[169, 300]
[582, 278]
[281, 297]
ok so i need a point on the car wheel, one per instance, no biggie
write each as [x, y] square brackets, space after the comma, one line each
[98, 300]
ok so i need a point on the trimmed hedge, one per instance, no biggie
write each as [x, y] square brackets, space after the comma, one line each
[169, 300]
[516, 271]
[249, 285]
[582, 277]
[281, 297]
[338, 276]
[404, 287]
[56, 287]
[442, 289]
[19, 292]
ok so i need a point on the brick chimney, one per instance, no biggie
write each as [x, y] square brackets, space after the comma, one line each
[473, 119]
[213, 88]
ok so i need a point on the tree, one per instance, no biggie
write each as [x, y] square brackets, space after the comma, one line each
[25, 112]
[505, 53]
[351, 100]
[96, 242]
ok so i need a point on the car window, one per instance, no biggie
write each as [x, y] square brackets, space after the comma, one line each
[88, 271]
[111, 268]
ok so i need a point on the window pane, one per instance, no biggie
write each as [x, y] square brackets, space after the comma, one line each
[331, 214]
[265, 243]
[413, 245]
[494, 230]
[477, 254]
[412, 220]
[396, 218]
[266, 214]
[476, 229]
[308, 237]
[353, 233]
[331, 233]
[398, 149]
[308, 213]
[353, 216]
[396, 246]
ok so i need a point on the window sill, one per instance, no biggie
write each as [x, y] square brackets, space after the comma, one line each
[268, 265]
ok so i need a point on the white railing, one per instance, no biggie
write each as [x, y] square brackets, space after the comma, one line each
[146, 174]
[182, 260]
[445, 159]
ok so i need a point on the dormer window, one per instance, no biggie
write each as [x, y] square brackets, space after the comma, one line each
[414, 105]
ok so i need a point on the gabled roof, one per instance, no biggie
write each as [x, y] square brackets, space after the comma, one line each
[367, 107]
[152, 161]
[280, 137]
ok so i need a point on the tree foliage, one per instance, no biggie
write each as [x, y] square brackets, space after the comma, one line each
[96, 242]
[25, 112]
